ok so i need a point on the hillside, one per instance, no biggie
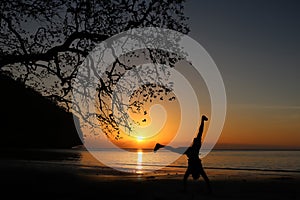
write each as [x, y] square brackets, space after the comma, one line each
[28, 120]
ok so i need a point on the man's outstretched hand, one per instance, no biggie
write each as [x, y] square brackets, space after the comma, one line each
[157, 146]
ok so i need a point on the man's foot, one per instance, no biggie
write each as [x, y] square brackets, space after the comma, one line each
[204, 118]
[157, 146]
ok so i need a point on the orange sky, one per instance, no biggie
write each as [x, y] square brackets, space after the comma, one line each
[261, 127]
[246, 125]
[149, 136]
[258, 116]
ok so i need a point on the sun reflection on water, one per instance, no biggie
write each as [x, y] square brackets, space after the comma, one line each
[139, 164]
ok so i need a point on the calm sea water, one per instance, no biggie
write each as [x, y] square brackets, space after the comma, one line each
[140, 162]
[143, 162]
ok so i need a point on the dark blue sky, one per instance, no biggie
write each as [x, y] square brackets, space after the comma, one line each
[256, 46]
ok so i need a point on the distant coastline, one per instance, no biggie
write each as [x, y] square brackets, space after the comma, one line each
[82, 147]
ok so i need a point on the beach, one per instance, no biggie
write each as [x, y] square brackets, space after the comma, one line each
[37, 179]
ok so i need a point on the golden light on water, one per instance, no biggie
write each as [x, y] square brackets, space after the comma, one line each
[139, 164]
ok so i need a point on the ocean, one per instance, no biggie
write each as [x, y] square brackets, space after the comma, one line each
[139, 162]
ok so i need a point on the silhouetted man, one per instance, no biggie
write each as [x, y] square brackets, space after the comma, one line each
[195, 167]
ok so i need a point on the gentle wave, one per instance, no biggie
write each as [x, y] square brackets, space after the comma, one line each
[260, 161]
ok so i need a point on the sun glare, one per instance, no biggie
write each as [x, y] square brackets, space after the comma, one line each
[139, 138]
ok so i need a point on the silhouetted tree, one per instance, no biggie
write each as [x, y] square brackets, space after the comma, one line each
[43, 43]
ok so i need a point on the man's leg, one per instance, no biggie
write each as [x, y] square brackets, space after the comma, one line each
[201, 128]
[205, 177]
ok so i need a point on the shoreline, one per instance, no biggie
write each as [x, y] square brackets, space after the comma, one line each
[30, 179]
[61, 175]
[171, 169]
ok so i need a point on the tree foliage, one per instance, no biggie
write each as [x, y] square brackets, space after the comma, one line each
[43, 43]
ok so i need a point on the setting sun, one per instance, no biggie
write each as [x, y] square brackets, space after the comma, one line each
[139, 138]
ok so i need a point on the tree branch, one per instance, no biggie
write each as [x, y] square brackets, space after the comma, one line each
[49, 55]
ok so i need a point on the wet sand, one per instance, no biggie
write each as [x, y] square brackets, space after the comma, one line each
[37, 180]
